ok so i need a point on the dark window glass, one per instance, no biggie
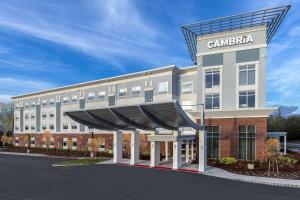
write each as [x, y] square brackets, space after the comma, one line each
[212, 101]
[148, 96]
[247, 142]
[213, 138]
[111, 101]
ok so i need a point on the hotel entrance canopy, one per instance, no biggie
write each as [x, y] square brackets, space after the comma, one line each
[167, 115]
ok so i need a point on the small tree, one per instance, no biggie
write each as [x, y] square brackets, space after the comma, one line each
[5, 140]
[93, 144]
[27, 140]
[272, 153]
[47, 139]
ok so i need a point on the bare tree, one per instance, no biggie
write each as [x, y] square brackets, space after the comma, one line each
[7, 117]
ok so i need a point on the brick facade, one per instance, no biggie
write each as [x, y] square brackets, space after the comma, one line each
[229, 133]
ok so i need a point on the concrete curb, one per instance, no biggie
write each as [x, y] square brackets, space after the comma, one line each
[36, 155]
[220, 173]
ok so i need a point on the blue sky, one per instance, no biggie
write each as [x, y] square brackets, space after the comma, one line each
[45, 44]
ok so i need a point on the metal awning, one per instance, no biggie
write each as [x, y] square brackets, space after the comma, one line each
[167, 115]
[276, 134]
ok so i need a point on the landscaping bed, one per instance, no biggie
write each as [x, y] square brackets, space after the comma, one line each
[56, 152]
[287, 169]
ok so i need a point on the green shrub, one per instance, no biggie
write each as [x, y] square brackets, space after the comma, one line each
[288, 159]
[228, 160]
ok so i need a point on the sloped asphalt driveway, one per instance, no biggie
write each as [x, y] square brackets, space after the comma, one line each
[29, 178]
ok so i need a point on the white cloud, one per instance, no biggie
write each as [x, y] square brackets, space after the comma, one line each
[5, 98]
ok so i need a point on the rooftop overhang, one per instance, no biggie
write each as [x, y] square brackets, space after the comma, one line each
[271, 18]
[167, 115]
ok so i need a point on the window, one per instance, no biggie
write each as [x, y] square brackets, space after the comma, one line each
[247, 99]
[74, 98]
[213, 138]
[102, 146]
[17, 141]
[51, 127]
[26, 116]
[212, 101]
[65, 126]
[44, 127]
[73, 126]
[212, 78]
[136, 91]
[32, 141]
[17, 107]
[32, 116]
[187, 88]
[111, 101]
[123, 93]
[65, 99]
[74, 143]
[26, 105]
[247, 75]
[16, 128]
[32, 127]
[187, 105]
[16, 118]
[51, 102]
[51, 115]
[247, 135]
[148, 96]
[44, 103]
[26, 127]
[91, 96]
[65, 143]
[102, 96]
[163, 87]
[32, 104]
[44, 115]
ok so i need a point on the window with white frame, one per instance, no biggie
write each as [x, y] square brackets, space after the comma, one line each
[187, 105]
[26, 127]
[32, 104]
[26, 105]
[32, 127]
[16, 118]
[44, 102]
[247, 74]
[32, 139]
[213, 140]
[17, 141]
[65, 99]
[44, 126]
[44, 115]
[74, 143]
[74, 98]
[65, 143]
[65, 126]
[32, 116]
[51, 126]
[123, 93]
[26, 116]
[102, 96]
[74, 126]
[212, 101]
[51, 102]
[51, 114]
[187, 88]
[163, 87]
[212, 78]
[136, 91]
[16, 128]
[247, 99]
[91, 96]
[247, 138]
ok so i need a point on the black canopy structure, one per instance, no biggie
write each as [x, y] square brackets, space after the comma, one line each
[167, 115]
[271, 18]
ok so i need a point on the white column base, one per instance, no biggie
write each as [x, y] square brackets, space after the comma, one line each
[155, 154]
[187, 151]
[135, 148]
[202, 151]
[176, 155]
[166, 150]
[117, 154]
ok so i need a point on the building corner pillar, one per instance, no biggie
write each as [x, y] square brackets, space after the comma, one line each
[117, 154]
[202, 151]
[176, 154]
[135, 147]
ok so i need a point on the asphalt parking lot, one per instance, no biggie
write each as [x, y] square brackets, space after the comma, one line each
[30, 178]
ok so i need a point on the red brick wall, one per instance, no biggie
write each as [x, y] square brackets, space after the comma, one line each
[228, 137]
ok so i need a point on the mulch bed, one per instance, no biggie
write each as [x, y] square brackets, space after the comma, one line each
[286, 170]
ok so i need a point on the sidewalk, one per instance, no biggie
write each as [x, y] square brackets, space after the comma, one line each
[220, 173]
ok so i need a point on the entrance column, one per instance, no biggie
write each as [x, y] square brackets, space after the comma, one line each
[202, 150]
[155, 151]
[284, 145]
[192, 150]
[177, 151]
[135, 147]
[117, 147]
[167, 150]
[187, 151]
